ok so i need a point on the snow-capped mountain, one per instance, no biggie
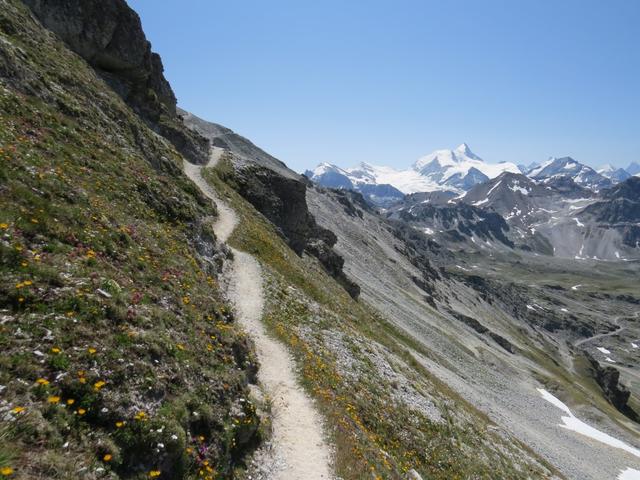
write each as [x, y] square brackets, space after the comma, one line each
[633, 168]
[459, 169]
[616, 175]
[568, 167]
[443, 170]
[361, 179]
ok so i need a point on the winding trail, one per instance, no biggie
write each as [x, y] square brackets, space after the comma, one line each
[297, 449]
[616, 322]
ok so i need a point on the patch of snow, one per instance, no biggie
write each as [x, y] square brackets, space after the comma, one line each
[564, 310]
[609, 359]
[518, 188]
[603, 350]
[531, 307]
[570, 422]
[617, 254]
[480, 202]
[578, 222]
[576, 287]
[634, 345]
[629, 474]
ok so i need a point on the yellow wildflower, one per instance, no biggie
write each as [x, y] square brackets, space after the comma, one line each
[120, 424]
[91, 350]
[4, 226]
[42, 381]
[81, 411]
[71, 401]
[53, 399]
[6, 471]
[99, 384]
[18, 409]
[55, 350]
[107, 457]
[155, 473]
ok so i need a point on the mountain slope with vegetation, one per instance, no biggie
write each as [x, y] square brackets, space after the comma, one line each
[119, 357]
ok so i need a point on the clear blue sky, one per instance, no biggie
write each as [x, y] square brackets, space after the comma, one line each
[388, 81]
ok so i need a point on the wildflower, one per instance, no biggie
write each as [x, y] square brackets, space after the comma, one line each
[81, 411]
[53, 399]
[6, 471]
[55, 350]
[91, 350]
[140, 416]
[186, 300]
[107, 457]
[27, 283]
[201, 438]
[99, 384]
[179, 346]
[154, 473]
[24, 264]
[19, 285]
[70, 401]
[42, 381]
[17, 410]
[4, 226]
[34, 220]
[120, 424]
[91, 254]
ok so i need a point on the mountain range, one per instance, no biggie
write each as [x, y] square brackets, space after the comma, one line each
[456, 171]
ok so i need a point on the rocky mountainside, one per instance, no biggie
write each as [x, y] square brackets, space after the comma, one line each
[431, 344]
[121, 359]
[109, 36]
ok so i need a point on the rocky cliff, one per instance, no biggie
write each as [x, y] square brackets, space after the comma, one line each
[109, 36]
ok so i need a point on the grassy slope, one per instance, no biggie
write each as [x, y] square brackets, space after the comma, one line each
[118, 356]
[374, 434]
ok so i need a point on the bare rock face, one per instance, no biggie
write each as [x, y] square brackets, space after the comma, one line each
[608, 378]
[109, 36]
[283, 201]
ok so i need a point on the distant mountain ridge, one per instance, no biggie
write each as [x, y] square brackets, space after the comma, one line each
[458, 171]
[455, 170]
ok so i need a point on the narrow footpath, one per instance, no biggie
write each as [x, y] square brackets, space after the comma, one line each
[297, 449]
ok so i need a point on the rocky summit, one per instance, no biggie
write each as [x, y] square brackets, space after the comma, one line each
[178, 303]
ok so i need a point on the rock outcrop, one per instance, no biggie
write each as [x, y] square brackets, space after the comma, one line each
[608, 378]
[283, 201]
[109, 36]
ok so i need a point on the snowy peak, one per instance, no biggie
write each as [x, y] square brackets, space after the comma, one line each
[446, 158]
[568, 167]
[616, 175]
[459, 169]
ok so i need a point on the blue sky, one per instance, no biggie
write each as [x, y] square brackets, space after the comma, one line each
[388, 81]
